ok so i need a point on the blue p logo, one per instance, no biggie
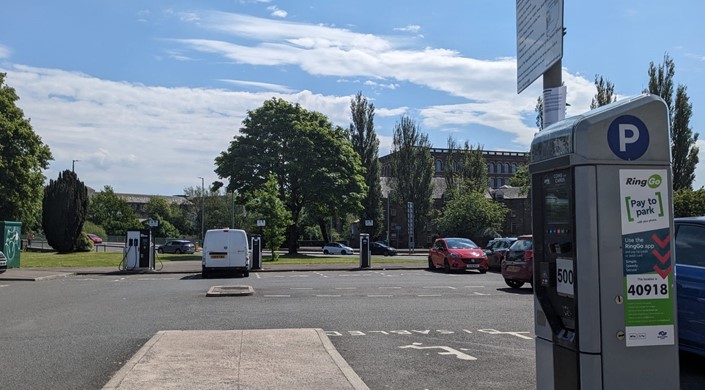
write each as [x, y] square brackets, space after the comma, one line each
[628, 137]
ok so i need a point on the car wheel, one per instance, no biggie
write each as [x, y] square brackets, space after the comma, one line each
[160, 250]
[246, 274]
[343, 252]
[430, 264]
[178, 251]
[446, 266]
[386, 253]
[325, 251]
[513, 283]
[483, 271]
[204, 274]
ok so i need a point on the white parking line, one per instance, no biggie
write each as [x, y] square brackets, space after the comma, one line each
[479, 293]
[346, 288]
[258, 275]
[428, 295]
[4, 285]
[379, 296]
[328, 296]
[383, 287]
[452, 288]
[277, 296]
[474, 286]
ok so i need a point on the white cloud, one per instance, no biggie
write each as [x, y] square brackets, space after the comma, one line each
[390, 112]
[4, 51]
[259, 85]
[135, 137]
[414, 28]
[276, 12]
[391, 86]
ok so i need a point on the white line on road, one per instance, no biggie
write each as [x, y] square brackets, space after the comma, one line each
[346, 288]
[428, 295]
[328, 296]
[379, 296]
[4, 285]
[258, 275]
[383, 287]
[479, 293]
[452, 288]
[277, 296]
[474, 286]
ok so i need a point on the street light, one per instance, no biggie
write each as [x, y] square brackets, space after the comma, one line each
[203, 211]
[73, 164]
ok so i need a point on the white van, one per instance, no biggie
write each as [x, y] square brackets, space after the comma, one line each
[226, 250]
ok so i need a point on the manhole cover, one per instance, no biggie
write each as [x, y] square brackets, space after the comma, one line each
[229, 291]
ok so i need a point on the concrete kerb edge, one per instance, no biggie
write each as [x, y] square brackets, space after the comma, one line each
[352, 377]
[116, 380]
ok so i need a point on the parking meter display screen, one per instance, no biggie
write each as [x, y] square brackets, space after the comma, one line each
[556, 206]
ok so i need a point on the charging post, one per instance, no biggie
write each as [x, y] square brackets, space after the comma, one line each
[365, 256]
[139, 253]
[256, 251]
[605, 315]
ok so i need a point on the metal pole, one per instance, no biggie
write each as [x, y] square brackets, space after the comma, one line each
[388, 221]
[233, 207]
[203, 211]
[73, 164]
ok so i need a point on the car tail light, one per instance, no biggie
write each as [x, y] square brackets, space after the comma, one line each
[529, 255]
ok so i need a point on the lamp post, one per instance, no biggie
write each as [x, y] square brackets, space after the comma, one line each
[73, 164]
[203, 211]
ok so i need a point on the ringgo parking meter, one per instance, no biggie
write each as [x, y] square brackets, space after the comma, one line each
[605, 315]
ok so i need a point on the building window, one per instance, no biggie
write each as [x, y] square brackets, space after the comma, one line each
[490, 167]
[492, 181]
[439, 166]
[514, 168]
[506, 168]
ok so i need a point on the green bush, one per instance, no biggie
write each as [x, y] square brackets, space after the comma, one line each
[84, 244]
[90, 227]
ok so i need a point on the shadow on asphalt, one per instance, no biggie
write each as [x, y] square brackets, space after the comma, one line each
[517, 291]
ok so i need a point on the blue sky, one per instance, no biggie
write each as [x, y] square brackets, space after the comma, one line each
[147, 94]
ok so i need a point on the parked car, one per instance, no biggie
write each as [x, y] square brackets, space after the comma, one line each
[518, 266]
[3, 262]
[96, 239]
[336, 248]
[457, 254]
[497, 250]
[178, 247]
[380, 248]
[690, 283]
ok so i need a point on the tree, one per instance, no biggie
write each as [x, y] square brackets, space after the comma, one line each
[159, 210]
[684, 153]
[605, 93]
[521, 179]
[23, 156]
[266, 205]
[471, 214]
[314, 163]
[364, 141]
[412, 171]
[63, 211]
[465, 168]
[112, 213]
[688, 203]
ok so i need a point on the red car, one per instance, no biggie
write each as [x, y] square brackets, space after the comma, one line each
[518, 266]
[457, 254]
[94, 238]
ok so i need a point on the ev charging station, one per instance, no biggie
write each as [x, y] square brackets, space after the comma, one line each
[604, 295]
[138, 251]
[256, 251]
[365, 255]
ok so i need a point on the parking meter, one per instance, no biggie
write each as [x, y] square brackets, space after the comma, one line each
[256, 251]
[605, 315]
[365, 255]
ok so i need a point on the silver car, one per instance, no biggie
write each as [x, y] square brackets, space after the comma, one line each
[336, 248]
[178, 247]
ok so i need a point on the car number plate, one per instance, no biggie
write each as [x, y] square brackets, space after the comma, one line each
[218, 257]
[473, 265]
[512, 268]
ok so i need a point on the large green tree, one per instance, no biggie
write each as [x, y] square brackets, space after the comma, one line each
[364, 141]
[112, 213]
[688, 203]
[471, 214]
[604, 94]
[314, 163]
[64, 211]
[23, 157]
[465, 168]
[159, 210]
[684, 152]
[412, 171]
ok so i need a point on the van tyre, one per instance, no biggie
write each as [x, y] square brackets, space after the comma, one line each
[246, 274]
[513, 283]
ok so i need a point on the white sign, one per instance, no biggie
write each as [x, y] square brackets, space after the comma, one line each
[565, 277]
[539, 38]
[260, 222]
[645, 202]
[153, 223]
[369, 222]
[554, 105]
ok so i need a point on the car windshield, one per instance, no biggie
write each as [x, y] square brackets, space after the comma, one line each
[522, 245]
[460, 243]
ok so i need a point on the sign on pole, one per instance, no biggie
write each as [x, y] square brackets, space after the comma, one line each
[539, 38]
[260, 222]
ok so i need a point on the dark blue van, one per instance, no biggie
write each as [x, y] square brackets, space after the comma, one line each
[690, 283]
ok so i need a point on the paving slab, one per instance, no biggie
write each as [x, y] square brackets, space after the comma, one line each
[271, 359]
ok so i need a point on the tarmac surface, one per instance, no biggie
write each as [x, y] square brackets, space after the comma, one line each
[243, 359]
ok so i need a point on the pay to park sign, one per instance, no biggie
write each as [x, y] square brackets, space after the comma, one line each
[646, 253]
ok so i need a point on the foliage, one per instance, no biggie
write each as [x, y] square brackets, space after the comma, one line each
[465, 169]
[684, 152]
[83, 243]
[521, 179]
[412, 171]
[605, 93]
[112, 213]
[314, 163]
[266, 205]
[471, 215]
[64, 211]
[23, 157]
[90, 227]
[364, 141]
[688, 203]
[159, 210]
